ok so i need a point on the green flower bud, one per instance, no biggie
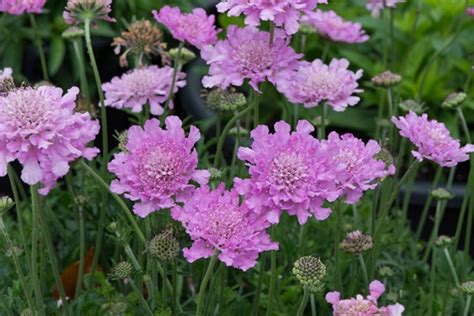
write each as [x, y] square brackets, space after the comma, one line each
[242, 132]
[468, 287]
[454, 100]
[386, 271]
[225, 100]
[6, 203]
[164, 246]
[411, 106]
[444, 241]
[13, 251]
[356, 243]
[441, 194]
[123, 140]
[215, 174]
[73, 33]
[27, 312]
[307, 29]
[185, 57]
[121, 271]
[310, 272]
[112, 227]
[386, 79]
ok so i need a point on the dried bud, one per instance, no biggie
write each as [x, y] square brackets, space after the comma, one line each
[412, 106]
[164, 246]
[5, 203]
[386, 271]
[468, 287]
[225, 100]
[441, 194]
[7, 85]
[454, 100]
[141, 38]
[73, 33]
[123, 140]
[310, 272]
[185, 55]
[121, 271]
[14, 251]
[386, 79]
[240, 131]
[356, 243]
[444, 241]
[215, 174]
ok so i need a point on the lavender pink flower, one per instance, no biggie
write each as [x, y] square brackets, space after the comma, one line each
[432, 139]
[470, 12]
[157, 165]
[219, 224]
[283, 13]
[288, 171]
[149, 84]
[361, 306]
[376, 6]
[315, 83]
[78, 11]
[6, 73]
[335, 28]
[358, 167]
[247, 54]
[196, 28]
[19, 7]
[39, 128]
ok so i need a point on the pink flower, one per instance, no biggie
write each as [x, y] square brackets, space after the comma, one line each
[247, 54]
[332, 26]
[157, 166]
[314, 83]
[196, 28]
[376, 6]
[39, 128]
[358, 168]
[19, 7]
[6, 73]
[432, 139]
[288, 171]
[78, 11]
[134, 89]
[284, 13]
[470, 12]
[217, 223]
[360, 306]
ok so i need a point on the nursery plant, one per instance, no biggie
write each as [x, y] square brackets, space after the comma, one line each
[236, 157]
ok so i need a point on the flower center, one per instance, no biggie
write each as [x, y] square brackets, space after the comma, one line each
[224, 221]
[141, 82]
[324, 83]
[159, 168]
[289, 171]
[254, 56]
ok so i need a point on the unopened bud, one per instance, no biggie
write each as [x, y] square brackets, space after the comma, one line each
[164, 246]
[5, 203]
[444, 241]
[386, 271]
[225, 100]
[215, 174]
[441, 194]
[412, 106]
[185, 55]
[454, 100]
[386, 79]
[310, 272]
[73, 33]
[356, 243]
[468, 287]
[121, 271]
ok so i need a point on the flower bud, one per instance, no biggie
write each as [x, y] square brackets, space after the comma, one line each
[112, 227]
[121, 271]
[164, 246]
[27, 312]
[444, 241]
[5, 204]
[412, 106]
[81, 11]
[468, 287]
[386, 271]
[13, 251]
[441, 194]
[215, 174]
[356, 243]
[185, 56]
[240, 131]
[123, 140]
[454, 100]
[386, 79]
[73, 33]
[7, 85]
[310, 272]
[307, 29]
[225, 100]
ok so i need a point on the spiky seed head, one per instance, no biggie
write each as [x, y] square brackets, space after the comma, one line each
[310, 272]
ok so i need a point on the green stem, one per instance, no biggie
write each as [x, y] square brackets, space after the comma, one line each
[337, 240]
[202, 288]
[272, 32]
[261, 274]
[295, 115]
[468, 305]
[273, 278]
[256, 107]
[82, 250]
[364, 269]
[322, 127]
[174, 285]
[325, 51]
[78, 51]
[139, 293]
[464, 124]
[313, 305]
[432, 283]
[467, 198]
[451, 267]
[176, 67]
[34, 250]
[434, 235]
[39, 44]
[164, 291]
[426, 207]
[304, 302]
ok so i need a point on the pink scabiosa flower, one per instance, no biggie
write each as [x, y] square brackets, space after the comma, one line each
[470, 12]
[314, 83]
[157, 165]
[284, 13]
[358, 167]
[361, 306]
[432, 139]
[376, 6]
[149, 84]
[333, 27]
[247, 54]
[19, 7]
[6, 73]
[39, 128]
[196, 28]
[217, 222]
[288, 171]
[79, 11]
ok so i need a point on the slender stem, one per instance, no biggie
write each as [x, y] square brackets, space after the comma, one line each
[434, 235]
[174, 285]
[451, 266]
[261, 274]
[468, 305]
[426, 207]
[470, 214]
[432, 283]
[164, 291]
[325, 51]
[139, 293]
[78, 52]
[337, 240]
[256, 107]
[273, 278]
[176, 67]
[218, 124]
[82, 250]
[392, 37]
[272, 32]
[39, 44]
[464, 124]
[304, 302]
[364, 269]
[205, 281]
[16, 262]
[322, 127]
[465, 203]
[34, 250]
[295, 115]
[313, 305]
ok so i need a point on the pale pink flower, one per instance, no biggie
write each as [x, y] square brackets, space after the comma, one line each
[315, 83]
[196, 28]
[360, 306]
[470, 12]
[79, 11]
[19, 7]
[6, 73]
[219, 224]
[157, 165]
[39, 128]
[247, 54]
[288, 171]
[335, 28]
[432, 139]
[376, 6]
[358, 168]
[284, 13]
[149, 84]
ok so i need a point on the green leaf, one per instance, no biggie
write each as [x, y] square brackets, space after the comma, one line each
[56, 55]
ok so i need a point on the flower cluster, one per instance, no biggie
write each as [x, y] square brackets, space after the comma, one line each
[288, 171]
[19, 7]
[333, 27]
[363, 306]
[39, 128]
[80, 11]
[376, 6]
[314, 83]
[136, 88]
[432, 139]
[196, 28]
[247, 54]
[157, 165]
[283, 13]
[6, 73]
[219, 224]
